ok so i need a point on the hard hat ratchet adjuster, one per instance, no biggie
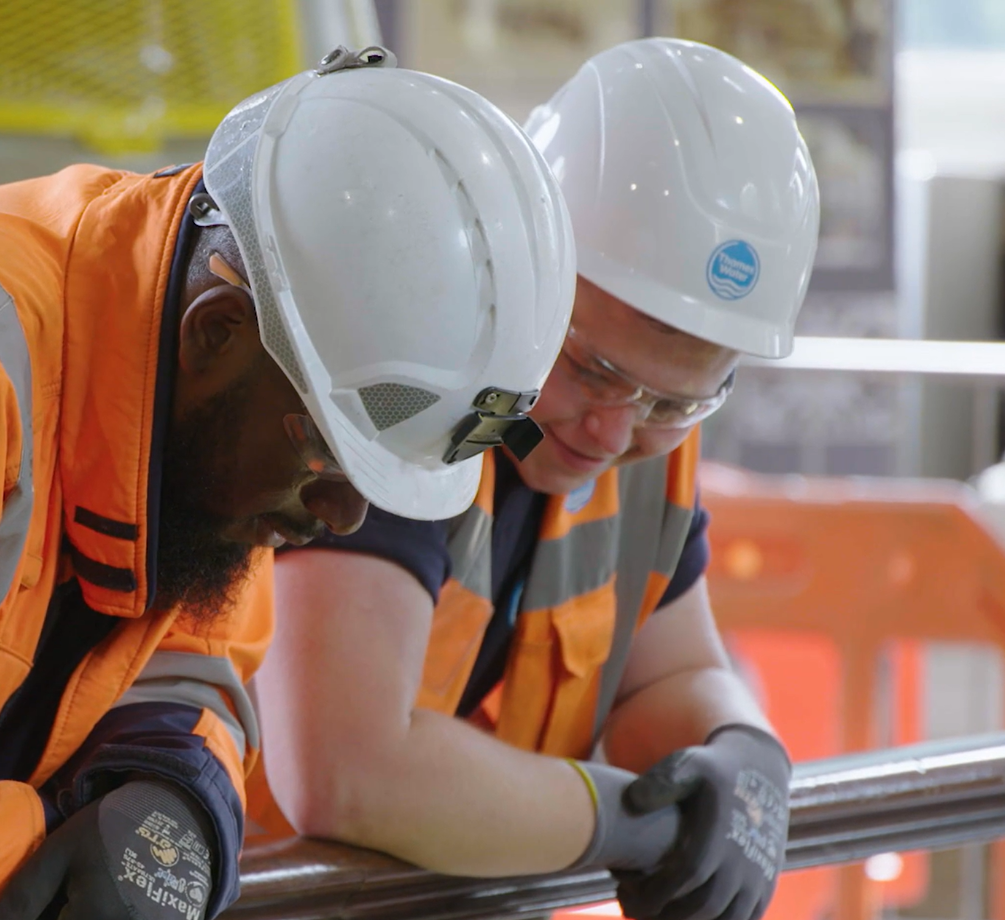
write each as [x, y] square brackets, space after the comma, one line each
[205, 212]
[344, 59]
[499, 420]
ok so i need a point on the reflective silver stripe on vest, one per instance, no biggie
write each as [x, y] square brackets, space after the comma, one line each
[673, 536]
[15, 513]
[573, 565]
[470, 546]
[198, 680]
[647, 535]
[652, 542]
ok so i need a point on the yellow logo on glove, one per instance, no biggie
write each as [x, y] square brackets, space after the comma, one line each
[166, 855]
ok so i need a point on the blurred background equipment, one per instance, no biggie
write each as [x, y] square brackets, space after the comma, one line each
[137, 83]
[124, 75]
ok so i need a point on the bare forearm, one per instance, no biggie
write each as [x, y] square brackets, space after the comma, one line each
[453, 800]
[679, 710]
[349, 757]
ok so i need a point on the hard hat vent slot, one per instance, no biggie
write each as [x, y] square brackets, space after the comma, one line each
[387, 404]
[230, 179]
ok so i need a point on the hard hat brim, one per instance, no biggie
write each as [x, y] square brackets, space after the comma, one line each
[700, 318]
[393, 484]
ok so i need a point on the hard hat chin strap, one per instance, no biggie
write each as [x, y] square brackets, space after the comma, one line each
[499, 420]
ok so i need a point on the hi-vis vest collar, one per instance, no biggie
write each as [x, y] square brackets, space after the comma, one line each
[601, 564]
[118, 234]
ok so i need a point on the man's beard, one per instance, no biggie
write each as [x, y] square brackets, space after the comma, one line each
[196, 567]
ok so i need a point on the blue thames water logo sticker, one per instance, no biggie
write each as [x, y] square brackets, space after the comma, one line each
[733, 270]
[579, 498]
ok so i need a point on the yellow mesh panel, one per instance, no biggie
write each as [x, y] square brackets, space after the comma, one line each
[122, 75]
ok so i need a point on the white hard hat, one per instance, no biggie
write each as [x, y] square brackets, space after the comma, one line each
[412, 265]
[692, 193]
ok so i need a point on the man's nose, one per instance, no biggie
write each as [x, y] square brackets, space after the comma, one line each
[336, 504]
[612, 427]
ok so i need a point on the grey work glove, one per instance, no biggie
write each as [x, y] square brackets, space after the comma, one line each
[140, 852]
[733, 796]
[623, 839]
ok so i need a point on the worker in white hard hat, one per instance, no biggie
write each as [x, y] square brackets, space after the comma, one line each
[361, 289]
[539, 683]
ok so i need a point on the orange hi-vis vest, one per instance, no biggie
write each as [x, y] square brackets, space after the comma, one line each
[600, 567]
[85, 261]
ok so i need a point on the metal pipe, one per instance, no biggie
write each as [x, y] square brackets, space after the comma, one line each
[927, 796]
[984, 360]
[844, 809]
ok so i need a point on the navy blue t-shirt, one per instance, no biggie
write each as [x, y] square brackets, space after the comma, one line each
[420, 547]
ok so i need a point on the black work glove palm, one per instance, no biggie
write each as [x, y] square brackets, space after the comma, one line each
[732, 793]
[138, 853]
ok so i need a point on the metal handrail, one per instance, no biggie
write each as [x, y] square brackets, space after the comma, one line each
[844, 809]
[926, 357]
[922, 797]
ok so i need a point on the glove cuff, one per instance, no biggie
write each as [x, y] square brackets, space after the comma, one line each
[622, 840]
[178, 831]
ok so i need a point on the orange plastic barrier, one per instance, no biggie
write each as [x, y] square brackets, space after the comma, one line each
[798, 679]
[817, 584]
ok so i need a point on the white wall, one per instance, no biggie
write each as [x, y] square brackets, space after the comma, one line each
[952, 104]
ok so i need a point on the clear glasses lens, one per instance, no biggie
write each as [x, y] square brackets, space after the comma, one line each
[605, 384]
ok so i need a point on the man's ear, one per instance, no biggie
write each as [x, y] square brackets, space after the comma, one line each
[217, 328]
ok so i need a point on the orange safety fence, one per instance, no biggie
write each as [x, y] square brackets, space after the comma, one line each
[827, 590]
[797, 677]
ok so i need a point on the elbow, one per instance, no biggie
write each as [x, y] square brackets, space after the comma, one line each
[331, 805]
[312, 820]
[309, 812]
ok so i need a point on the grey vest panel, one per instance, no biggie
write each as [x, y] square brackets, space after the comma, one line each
[469, 543]
[648, 521]
[198, 680]
[576, 564]
[652, 542]
[647, 536]
[15, 515]
[673, 536]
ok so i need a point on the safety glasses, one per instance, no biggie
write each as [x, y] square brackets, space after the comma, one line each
[605, 384]
[304, 435]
